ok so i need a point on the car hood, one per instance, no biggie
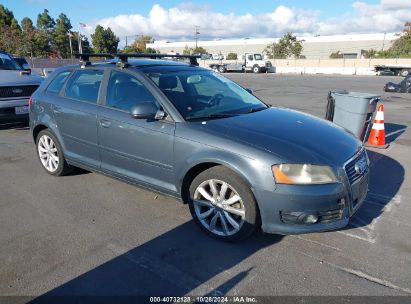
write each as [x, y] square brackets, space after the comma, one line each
[13, 78]
[290, 135]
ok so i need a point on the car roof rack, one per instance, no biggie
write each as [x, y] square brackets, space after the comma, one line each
[85, 57]
[123, 57]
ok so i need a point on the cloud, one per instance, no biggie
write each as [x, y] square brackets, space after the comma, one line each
[177, 23]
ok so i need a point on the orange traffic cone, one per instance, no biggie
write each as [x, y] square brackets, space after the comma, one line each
[377, 134]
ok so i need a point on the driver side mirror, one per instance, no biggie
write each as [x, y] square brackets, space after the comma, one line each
[147, 110]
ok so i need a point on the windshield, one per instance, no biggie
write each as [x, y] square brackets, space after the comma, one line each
[202, 94]
[6, 63]
[258, 57]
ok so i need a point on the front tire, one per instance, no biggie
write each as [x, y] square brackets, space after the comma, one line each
[222, 205]
[256, 69]
[404, 73]
[50, 154]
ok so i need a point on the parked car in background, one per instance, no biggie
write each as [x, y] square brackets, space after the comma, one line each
[16, 87]
[404, 86]
[193, 134]
[385, 72]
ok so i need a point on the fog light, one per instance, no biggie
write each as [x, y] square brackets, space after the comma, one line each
[310, 219]
[299, 217]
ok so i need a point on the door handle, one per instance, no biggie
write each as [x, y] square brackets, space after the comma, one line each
[105, 123]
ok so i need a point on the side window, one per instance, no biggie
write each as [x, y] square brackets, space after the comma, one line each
[84, 85]
[57, 83]
[124, 91]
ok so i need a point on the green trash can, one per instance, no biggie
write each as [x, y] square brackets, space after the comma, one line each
[352, 110]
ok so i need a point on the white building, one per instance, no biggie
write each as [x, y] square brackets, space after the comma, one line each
[317, 47]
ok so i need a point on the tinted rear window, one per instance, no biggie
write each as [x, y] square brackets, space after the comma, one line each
[84, 85]
[57, 83]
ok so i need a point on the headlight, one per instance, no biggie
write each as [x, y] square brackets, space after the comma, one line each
[303, 174]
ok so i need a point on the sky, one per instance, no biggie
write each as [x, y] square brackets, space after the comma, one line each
[223, 19]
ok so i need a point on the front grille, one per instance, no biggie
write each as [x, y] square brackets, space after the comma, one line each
[17, 91]
[331, 215]
[352, 174]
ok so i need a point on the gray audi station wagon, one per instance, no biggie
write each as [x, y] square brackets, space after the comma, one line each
[191, 133]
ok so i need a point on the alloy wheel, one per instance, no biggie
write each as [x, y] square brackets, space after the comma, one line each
[219, 207]
[48, 153]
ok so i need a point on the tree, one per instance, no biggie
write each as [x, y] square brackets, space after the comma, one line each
[231, 56]
[287, 46]
[104, 40]
[6, 16]
[27, 25]
[370, 53]
[10, 32]
[197, 50]
[336, 55]
[45, 22]
[140, 45]
[45, 27]
[402, 46]
[60, 37]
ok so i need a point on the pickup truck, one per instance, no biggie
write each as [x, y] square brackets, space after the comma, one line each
[251, 62]
[16, 87]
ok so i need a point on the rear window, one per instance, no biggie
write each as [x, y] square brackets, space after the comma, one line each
[84, 85]
[57, 83]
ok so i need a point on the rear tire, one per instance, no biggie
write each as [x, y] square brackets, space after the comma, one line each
[50, 154]
[222, 205]
[222, 69]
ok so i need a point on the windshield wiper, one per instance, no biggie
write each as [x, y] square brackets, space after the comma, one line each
[252, 110]
[210, 116]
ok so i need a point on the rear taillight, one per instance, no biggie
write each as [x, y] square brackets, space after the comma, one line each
[30, 101]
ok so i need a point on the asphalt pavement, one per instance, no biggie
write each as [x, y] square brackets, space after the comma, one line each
[88, 234]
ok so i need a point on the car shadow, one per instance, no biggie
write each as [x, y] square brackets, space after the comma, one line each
[386, 178]
[393, 131]
[178, 262]
[14, 124]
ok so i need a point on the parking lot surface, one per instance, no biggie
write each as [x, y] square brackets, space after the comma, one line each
[87, 234]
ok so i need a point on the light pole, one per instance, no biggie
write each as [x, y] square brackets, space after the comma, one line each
[196, 33]
[69, 34]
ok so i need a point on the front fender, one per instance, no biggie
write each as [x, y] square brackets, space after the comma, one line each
[190, 154]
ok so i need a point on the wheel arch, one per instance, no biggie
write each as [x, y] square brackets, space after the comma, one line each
[37, 129]
[201, 166]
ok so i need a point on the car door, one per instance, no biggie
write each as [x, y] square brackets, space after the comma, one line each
[136, 149]
[75, 113]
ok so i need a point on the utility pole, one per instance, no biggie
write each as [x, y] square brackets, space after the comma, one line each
[383, 41]
[69, 34]
[196, 33]
[126, 42]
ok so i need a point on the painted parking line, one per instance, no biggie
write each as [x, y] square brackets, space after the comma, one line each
[363, 228]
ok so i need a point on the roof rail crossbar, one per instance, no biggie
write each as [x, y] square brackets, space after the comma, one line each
[124, 57]
[85, 57]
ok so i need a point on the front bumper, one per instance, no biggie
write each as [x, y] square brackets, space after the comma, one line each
[7, 106]
[319, 199]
